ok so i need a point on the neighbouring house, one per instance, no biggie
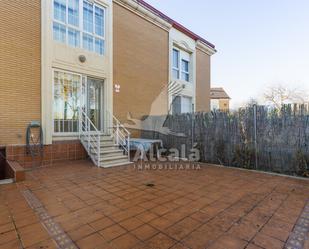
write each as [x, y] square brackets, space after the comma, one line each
[220, 100]
[79, 67]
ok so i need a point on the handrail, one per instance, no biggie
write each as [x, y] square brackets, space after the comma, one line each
[90, 136]
[89, 130]
[121, 134]
[121, 125]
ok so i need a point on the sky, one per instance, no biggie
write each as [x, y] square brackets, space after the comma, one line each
[260, 43]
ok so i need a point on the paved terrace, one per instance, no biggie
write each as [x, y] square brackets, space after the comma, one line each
[76, 205]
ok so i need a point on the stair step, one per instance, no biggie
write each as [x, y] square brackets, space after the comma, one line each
[113, 158]
[104, 152]
[102, 140]
[6, 181]
[109, 153]
[111, 164]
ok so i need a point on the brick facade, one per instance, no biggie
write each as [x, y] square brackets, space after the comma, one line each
[202, 81]
[141, 52]
[20, 86]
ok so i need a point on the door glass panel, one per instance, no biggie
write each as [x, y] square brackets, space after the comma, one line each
[95, 91]
[66, 102]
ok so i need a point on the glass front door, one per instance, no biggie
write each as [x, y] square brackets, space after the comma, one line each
[94, 101]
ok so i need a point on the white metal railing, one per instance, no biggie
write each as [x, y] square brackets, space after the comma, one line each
[119, 132]
[90, 137]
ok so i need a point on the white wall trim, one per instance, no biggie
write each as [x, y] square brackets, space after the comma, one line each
[181, 41]
[205, 48]
[63, 57]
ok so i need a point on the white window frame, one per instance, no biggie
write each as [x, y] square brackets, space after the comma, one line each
[173, 67]
[80, 27]
[53, 111]
[182, 97]
[181, 57]
[185, 72]
[182, 103]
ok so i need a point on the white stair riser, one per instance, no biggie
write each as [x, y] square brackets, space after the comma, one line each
[101, 140]
[114, 163]
[110, 154]
[113, 158]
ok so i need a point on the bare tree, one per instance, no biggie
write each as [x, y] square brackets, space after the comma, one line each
[280, 95]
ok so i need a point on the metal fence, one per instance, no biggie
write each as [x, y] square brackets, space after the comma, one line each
[255, 137]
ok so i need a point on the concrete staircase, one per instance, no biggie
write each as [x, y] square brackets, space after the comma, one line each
[111, 154]
[105, 149]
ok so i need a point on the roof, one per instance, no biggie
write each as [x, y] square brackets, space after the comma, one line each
[218, 93]
[175, 24]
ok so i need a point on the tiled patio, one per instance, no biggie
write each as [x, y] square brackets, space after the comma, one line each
[76, 205]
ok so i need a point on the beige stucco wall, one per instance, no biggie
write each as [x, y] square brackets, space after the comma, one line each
[202, 81]
[141, 52]
[224, 104]
[19, 69]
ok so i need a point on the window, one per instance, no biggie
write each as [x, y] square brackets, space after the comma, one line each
[60, 10]
[73, 12]
[59, 32]
[181, 104]
[99, 21]
[80, 23]
[181, 59]
[176, 105]
[175, 64]
[88, 42]
[186, 104]
[88, 17]
[73, 36]
[185, 70]
[67, 88]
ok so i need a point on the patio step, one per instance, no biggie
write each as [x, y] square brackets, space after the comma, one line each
[110, 161]
[103, 139]
[115, 164]
[109, 152]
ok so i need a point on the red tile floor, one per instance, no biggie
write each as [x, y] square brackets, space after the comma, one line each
[75, 205]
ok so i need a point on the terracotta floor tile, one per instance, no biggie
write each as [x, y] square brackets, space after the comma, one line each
[160, 241]
[47, 244]
[181, 229]
[7, 237]
[144, 232]
[6, 227]
[179, 246]
[252, 246]
[92, 241]
[131, 223]
[120, 216]
[201, 216]
[125, 241]
[13, 244]
[33, 234]
[81, 232]
[230, 242]
[265, 241]
[102, 223]
[244, 230]
[146, 216]
[160, 210]
[112, 232]
[202, 237]
[161, 223]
